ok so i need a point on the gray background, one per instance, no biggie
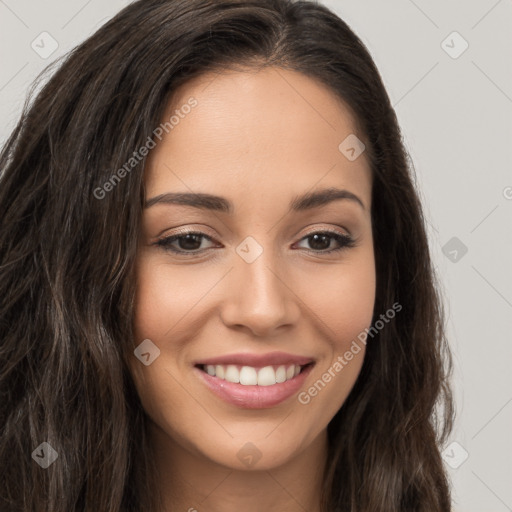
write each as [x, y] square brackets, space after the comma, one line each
[456, 116]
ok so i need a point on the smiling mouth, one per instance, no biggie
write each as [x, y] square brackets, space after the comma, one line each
[254, 376]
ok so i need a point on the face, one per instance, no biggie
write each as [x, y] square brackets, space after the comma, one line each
[246, 318]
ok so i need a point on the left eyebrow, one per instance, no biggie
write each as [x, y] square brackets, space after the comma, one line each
[322, 197]
[301, 203]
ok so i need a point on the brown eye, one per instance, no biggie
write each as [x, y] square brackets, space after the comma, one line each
[186, 242]
[320, 241]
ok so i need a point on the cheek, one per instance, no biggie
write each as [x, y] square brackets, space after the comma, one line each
[164, 298]
[161, 300]
[342, 298]
[344, 303]
[156, 313]
[352, 299]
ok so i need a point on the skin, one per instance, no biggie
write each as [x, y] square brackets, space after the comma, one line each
[259, 139]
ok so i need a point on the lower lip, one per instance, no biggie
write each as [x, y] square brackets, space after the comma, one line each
[254, 397]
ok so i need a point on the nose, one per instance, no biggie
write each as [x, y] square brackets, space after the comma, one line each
[260, 297]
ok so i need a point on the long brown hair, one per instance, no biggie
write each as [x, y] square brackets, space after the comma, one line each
[67, 265]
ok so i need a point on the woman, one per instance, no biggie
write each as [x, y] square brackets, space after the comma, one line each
[217, 288]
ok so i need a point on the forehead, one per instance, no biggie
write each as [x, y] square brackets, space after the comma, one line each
[268, 129]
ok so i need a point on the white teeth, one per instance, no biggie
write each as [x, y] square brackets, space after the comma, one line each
[219, 371]
[280, 374]
[266, 376]
[249, 376]
[232, 374]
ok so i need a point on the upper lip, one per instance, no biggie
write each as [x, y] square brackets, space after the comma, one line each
[257, 360]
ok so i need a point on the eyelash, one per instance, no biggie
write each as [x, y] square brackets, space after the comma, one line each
[345, 241]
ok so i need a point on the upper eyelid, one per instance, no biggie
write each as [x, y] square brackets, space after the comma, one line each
[176, 236]
[326, 230]
[205, 232]
[212, 238]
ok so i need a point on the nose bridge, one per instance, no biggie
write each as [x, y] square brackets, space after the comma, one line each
[259, 297]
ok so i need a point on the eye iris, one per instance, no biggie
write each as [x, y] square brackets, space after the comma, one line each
[316, 238]
[195, 240]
